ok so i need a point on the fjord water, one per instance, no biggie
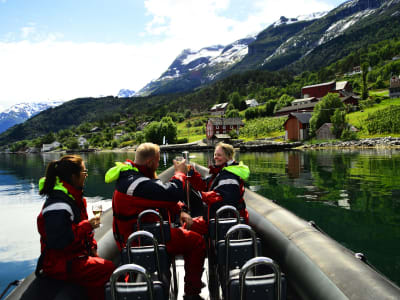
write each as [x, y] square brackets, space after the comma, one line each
[353, 196]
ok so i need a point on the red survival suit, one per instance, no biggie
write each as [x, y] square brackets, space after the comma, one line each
[224, 186]
[136, 191]
[67, 243]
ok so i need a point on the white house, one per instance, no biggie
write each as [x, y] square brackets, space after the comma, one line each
[49, 147]
[251, 103]
[82, 141]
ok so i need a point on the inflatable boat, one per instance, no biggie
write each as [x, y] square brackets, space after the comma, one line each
[315, 266]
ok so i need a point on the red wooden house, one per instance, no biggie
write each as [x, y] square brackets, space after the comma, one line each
[222, 126]
[297, 126]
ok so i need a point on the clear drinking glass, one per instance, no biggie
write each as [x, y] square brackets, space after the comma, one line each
[97, 210]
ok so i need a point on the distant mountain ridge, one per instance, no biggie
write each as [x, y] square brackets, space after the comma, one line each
[195, 68]
[21, 112]
[126, 93]
[288, 42]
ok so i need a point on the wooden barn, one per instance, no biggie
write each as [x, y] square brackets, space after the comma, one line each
[343, 88]
[325, 132]
[297, 126]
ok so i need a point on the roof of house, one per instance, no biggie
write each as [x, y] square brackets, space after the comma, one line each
[297, 107]
[219, 106]
[222, 136]
[304, 118]
[303, 100]
[251, 101]
[349, 97]
[341, 85]
[328, 125]
[226, 121]
[319, 84]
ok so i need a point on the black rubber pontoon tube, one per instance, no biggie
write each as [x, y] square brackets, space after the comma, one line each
[316, 266]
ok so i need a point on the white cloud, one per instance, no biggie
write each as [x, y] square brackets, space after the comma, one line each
[28, 31]
[45, 69]
[65, 70]
[196, 24]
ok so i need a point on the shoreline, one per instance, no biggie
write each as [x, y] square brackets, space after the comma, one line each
[261, 145]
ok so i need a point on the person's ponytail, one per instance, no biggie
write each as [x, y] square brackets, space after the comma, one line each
[50, 181]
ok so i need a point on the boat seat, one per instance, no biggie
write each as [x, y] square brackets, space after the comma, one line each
[144, 289]
[161, 233]
[218, 227]
[249, 284]
[154, 258]
[235, 253]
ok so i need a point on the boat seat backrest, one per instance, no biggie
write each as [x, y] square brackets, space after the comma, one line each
[218, 227]
[161, 232]
[240, 251]
[248, 284]
[139, 290]
[153, 258]
[235, 253]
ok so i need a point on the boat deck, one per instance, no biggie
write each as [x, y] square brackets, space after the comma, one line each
[180, 276]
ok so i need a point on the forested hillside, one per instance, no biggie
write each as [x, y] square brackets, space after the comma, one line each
[272, 89]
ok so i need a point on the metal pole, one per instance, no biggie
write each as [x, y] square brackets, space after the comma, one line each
[185, 155]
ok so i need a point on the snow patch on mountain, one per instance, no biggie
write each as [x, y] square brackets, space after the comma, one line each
[210, 60]
[342, 25]
[30, 109]
[20, 112]
[209, 52]
[125, 93]
[308, 17]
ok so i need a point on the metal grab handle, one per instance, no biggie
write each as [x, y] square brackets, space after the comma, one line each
[149, 235]
[222, 210]
[250, 264]
[122, 270]
[185, 155]
[152, 211]
[231, 231]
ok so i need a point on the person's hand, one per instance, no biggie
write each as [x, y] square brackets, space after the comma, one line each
[186, 218]
[95, 222]
[180, 166]
[93, 252]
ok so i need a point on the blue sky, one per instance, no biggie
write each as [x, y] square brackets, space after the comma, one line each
[61, 50]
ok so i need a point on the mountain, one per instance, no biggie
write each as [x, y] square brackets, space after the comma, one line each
[18, 113]
[196, 68]
[125, 93]
[303, 43]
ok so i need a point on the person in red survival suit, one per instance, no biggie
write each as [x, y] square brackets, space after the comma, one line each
[68, 248]
[138, 189]
[224, 186]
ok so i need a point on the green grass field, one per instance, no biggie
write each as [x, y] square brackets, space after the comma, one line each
[358, 118]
